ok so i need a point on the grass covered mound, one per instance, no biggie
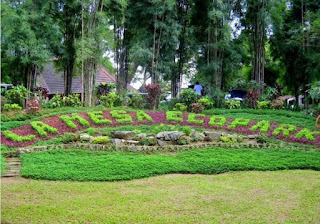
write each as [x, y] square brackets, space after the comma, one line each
[78, 165]
[3, 164]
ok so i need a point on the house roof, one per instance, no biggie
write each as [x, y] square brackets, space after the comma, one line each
[53, 81]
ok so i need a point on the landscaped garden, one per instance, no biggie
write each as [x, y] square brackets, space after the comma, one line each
[171, 111]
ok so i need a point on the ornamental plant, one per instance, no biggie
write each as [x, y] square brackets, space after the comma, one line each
[17, 95]
[101, 140]
[141, 115]
[180, 107]
[174, 116]
[285, 129]
[42, 128]
[197, 108]
[192, 118]
[12, 107]
[188, 97]
[109, 100]
[69, 120]
[121, 116]
[17, 138]
[186, 130]
[239, 122]
[232, 104]
[96, 117]
[153, 96]
[217, 120]
[264, 104]
[206, 102]
[252, 99]
[137, 101]
[262, 125]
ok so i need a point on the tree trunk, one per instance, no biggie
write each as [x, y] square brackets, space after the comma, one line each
[153, 76]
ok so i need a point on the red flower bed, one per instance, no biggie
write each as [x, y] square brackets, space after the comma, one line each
[158, 118]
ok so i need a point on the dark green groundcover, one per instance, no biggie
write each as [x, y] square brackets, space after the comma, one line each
[81, 165]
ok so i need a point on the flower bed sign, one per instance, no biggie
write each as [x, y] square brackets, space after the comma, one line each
[57, 125]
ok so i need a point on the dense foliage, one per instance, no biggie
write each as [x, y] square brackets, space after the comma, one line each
[78, 165]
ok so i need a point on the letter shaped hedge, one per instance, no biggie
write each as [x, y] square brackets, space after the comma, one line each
[96, 118]
[41, 128]
[173, 116]
[192, 118]
[121, 116]
[69, 120]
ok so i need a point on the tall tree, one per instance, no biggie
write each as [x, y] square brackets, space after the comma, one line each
[67, 14]
[27, 31]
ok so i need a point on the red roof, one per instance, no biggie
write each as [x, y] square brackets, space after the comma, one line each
[53, 81]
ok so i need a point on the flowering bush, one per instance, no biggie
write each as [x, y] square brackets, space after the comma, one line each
[153, 96]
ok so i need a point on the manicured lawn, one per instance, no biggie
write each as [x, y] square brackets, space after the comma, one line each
[81, 165]
[234, 197]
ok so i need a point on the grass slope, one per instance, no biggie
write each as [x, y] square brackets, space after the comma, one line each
[234, 197]
[80, 165]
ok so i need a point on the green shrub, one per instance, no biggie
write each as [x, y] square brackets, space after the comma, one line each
[121, 116]
[173, 116]
[218, 98]
[101, 140]
[186, 130]
[3, 102]
[109, 100]
[277, 104]
[148, 141]
[90, 131]
[180, 107]
[227, 139]
[182, 141]
[232, 104]
[55, 102]
[12, 107]
[17, 138]
[73, 100]
[206, 102]
[188, 97]
[96, 117]
[17, 95]
[41, 128]
[74, 116]
[67, 138]
[264, 104]
[137, 101]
